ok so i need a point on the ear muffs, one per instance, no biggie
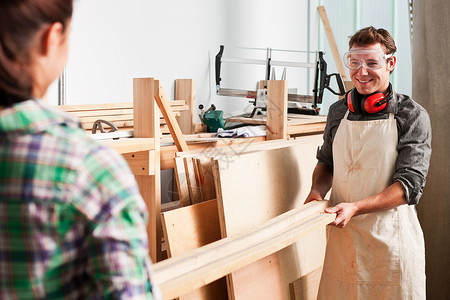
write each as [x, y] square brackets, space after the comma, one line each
[368, 104]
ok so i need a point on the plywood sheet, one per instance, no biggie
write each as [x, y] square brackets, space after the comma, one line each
[256, 187]
[191, 227]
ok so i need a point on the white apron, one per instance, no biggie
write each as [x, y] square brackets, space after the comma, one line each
[377, 255]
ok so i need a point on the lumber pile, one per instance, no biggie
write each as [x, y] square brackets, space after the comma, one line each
[242, 216]
[119, 114]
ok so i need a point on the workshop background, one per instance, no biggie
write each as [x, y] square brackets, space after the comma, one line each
[114, 41]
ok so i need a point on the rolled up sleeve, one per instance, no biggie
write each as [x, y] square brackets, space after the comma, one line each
[414, 152]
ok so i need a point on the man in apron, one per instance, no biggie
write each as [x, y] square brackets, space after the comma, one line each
[375, 158]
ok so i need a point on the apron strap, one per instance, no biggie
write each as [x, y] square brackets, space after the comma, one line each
[346, 114]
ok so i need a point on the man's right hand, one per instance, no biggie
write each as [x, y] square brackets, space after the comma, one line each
[314, 195]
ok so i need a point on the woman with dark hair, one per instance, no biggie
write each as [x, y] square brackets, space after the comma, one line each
[72, 221]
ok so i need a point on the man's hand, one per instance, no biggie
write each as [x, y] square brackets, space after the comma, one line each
[313, 196]
[344, 211]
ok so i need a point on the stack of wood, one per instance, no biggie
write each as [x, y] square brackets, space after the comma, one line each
[227, 193]
[119, 114]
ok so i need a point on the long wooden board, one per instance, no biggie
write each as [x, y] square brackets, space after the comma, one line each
[178, 275]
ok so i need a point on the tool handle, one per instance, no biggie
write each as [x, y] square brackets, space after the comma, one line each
[218, 65]
[339, 82]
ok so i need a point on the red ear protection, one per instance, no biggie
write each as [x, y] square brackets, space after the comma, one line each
[369, 104]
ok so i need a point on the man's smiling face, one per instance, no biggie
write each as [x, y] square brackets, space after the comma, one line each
[369, 81]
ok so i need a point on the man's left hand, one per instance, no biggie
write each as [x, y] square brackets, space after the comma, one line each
[344, 212]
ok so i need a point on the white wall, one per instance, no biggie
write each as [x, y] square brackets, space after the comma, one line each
[114, 41]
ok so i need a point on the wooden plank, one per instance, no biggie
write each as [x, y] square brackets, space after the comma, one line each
[192, 181]
[206, 178]
[102, 112]
[96, 107]
[185, 89]
[146, 125]
[181, 180]
[348, 85]
[170, 206]
[208, 263]
[172, 123]
[168, 152]
[256, 187]
[292, 119]
[332, 42]
[141, 162]
[276, 126]
[131, 145]
[306, 287]
[313, 128]
[189, 228]
[227, 153]
[93, 108]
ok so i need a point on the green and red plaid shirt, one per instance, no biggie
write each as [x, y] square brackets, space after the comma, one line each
[72, 221]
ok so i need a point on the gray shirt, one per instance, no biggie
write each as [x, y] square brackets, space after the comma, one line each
[414, 140]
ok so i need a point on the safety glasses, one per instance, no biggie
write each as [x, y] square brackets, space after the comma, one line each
[371, 59]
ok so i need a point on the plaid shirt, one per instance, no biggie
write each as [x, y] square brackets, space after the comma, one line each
[72, 221]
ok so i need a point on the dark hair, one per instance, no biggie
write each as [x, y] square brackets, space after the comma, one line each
[370, 35]
[20, 20]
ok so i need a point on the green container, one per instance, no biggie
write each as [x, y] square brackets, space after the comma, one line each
[213, 120]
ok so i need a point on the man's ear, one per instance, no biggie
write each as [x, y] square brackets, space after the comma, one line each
[51, 37]
[391, 63]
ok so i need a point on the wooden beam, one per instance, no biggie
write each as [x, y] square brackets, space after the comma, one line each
[181, 180]
[332, 42]
[179, 275]
[131, 145]
[276, 126]
[172, 123]
[185, 90]
[146, 125]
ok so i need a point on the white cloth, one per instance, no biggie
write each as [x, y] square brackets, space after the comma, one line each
[245, 131]
[377, 255]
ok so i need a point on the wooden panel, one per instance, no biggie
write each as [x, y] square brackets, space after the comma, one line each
[206, 178]
[246, 282]
[203, 179]
[189, 228]
[259, 186]
[181, 180]
[185, 90]
[276, 126]
[306, 287]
